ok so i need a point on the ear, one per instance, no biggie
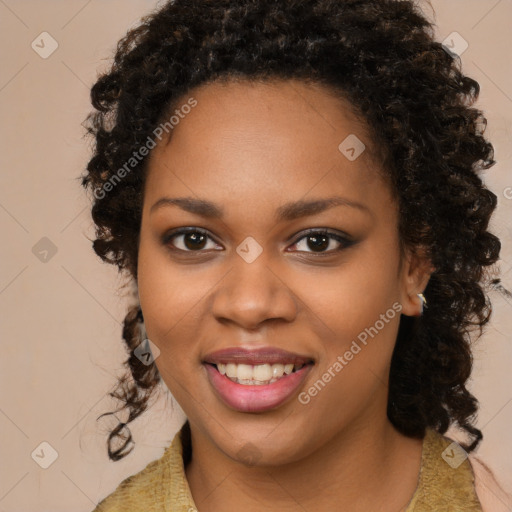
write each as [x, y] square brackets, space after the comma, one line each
[414, 277]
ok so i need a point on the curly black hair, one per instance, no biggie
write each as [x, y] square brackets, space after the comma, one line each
[383, 58]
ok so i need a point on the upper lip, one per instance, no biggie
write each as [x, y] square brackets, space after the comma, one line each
[263, 355]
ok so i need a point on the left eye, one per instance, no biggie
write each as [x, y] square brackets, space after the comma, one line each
[321, 240]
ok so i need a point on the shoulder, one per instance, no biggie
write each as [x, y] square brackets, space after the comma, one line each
[491, 495]
[462, 479]
[146, 490]
[446, 480]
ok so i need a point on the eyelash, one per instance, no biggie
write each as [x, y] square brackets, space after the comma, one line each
[344, 241]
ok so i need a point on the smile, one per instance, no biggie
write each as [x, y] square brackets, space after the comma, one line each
[257, 375]
[252, 394]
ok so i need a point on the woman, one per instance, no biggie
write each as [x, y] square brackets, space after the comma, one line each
[294, 190]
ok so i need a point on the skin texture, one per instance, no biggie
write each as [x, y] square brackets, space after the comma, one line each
[250, 148]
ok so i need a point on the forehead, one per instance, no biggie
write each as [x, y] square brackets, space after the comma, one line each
[242, 136]
[275, 104]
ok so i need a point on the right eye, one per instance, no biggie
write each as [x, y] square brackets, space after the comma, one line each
[191, 239]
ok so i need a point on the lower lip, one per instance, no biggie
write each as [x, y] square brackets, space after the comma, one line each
[256, 398]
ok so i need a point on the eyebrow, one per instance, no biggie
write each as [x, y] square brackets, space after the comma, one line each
[286, 212]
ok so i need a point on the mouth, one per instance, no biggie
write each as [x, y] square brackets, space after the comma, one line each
[256, 380]
[257, 375]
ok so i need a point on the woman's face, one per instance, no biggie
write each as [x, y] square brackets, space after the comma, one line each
[257, 164]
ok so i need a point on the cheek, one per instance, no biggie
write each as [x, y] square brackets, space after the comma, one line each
[349, 298]
[165, 289]
[357, 309]
[169, 299]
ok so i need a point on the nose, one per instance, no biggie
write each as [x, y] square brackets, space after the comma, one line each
[252, 293]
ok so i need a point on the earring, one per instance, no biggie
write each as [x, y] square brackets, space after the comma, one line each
[423, 301]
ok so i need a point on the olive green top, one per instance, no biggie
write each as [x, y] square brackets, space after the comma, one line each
[445, 483]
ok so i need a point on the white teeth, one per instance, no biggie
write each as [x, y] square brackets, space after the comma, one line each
[244, 372]
[277, 370]
[262, 372]
[256, 374]
[231, 370]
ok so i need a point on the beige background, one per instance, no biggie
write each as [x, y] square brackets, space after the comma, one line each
[60, 319]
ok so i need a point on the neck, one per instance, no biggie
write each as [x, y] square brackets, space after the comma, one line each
[361, 467]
